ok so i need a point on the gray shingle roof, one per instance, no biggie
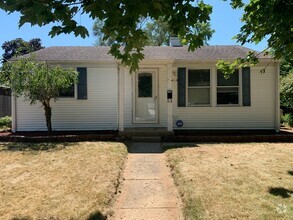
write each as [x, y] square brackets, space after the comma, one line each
[92, 53]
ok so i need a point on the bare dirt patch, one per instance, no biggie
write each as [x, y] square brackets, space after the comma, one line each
[235, 181]
[59, 181]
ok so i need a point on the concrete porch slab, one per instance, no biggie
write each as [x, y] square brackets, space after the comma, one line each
[145, 148]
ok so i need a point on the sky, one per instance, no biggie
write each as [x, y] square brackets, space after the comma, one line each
[224, 20]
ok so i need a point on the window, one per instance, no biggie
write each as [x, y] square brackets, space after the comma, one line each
[198, 87]
[81, 86]
[145, 85]
[68, 93]
[228, 89]
[82, 83]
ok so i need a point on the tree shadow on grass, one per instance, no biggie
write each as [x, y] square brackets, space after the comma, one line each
[154, 147]
[14, 146]
[97, 216]
[280, 191]
[94, 216]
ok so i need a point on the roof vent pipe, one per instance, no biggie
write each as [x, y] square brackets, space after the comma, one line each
[175, 42]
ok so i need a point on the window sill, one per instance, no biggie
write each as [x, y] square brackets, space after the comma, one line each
[198, 106]
[229, 105]
[66, 98]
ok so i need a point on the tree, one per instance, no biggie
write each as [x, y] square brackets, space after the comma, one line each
[287, 91]
[19, 47]
[157, 32]
[286, 86]
[271, 19]
[37, 82]
[264, 19]
[286, 66]
[120, 20]
[98, 33]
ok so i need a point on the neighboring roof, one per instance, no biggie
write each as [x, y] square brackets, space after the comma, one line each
[101, 53]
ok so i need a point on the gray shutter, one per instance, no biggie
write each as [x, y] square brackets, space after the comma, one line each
[181, 87]
[246, 96]
[82, 83]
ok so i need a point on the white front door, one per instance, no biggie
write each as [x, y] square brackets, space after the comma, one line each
[146, 99]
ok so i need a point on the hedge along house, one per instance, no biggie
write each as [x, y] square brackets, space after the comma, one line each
[173, 89]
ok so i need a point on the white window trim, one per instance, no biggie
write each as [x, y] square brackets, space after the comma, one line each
[240, 102]
[198, 87]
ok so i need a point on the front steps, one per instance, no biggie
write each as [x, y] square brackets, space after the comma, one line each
[145, 134]
[149, 139]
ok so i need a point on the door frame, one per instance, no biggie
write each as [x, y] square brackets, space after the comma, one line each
[155, 71]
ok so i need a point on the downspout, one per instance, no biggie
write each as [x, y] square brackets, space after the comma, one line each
[277, 126]
[120, 71]
[13, 113]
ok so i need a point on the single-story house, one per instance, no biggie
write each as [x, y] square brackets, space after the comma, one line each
[174, 89]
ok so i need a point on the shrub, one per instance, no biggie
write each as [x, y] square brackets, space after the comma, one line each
[286, 88]
[288, 119]
[5, 122]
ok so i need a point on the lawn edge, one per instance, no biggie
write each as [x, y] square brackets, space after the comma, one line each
[191, 207]
[109, 210]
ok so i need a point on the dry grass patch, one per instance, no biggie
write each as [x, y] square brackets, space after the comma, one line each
[235, 181]
[4, 129]
[59, 181]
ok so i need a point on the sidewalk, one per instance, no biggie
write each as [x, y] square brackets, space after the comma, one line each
[148, 191]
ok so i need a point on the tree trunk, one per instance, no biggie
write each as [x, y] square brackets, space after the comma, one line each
[48, 114]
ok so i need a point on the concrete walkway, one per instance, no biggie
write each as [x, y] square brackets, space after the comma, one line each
[148, 191]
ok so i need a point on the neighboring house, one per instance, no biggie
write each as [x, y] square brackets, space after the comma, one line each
[5, 101]
[108, 97]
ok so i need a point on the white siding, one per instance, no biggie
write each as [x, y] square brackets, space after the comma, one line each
[162, 98]
[260, 115]
[98, 112]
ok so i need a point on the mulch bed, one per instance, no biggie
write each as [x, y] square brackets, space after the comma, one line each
[285, 135]
[61, 136]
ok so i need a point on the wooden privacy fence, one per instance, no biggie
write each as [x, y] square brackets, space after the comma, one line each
[5, 105]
